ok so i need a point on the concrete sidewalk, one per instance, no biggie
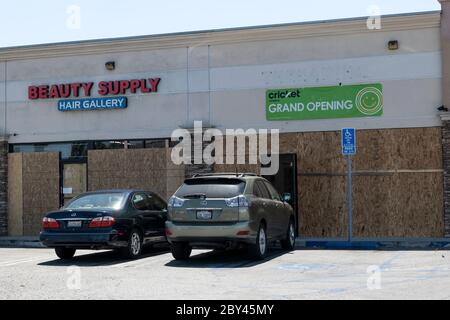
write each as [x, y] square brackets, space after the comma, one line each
[20, 242]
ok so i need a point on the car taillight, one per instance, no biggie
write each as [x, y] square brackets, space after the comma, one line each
[102, 222]
[239, 201]
[175, 202]
[50, 223]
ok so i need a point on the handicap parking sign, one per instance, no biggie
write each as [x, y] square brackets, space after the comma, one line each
[348, 141]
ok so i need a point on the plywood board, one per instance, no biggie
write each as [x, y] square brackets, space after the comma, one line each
[146, 169]
[41, 187]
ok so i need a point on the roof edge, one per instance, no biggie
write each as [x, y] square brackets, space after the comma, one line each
[403, 21]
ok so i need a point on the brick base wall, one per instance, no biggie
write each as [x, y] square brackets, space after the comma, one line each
[446, 166]
[3, 188]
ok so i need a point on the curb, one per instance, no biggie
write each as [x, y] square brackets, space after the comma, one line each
[33, 242]
[372, 245]
[20, 242]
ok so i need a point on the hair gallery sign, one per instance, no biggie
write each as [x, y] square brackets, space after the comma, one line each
[83, 90]
[365, 100]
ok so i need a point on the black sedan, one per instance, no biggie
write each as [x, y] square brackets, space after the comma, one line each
[124, 220]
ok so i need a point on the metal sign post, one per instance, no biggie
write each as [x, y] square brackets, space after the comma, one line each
[348, 149]
[349, 197]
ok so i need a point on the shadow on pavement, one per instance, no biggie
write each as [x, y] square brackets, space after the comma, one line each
[104, 258]
[224, 259]
[209, 259]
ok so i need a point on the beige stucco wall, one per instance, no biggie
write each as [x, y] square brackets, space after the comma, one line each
[221, 78]
[445, 43]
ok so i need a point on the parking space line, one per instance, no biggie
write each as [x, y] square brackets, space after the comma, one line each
[20, 261]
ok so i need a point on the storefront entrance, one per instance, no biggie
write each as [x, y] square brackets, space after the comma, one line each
[74, 180]
[285, 181]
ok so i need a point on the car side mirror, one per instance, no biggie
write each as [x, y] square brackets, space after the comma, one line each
[286, 197]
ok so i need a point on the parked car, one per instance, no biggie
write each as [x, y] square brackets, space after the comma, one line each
[228, 211]
[124, 220]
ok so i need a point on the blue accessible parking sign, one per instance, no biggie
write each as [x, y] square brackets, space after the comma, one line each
[348, 141]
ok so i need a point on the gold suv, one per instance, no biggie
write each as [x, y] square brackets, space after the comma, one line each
[228, 210]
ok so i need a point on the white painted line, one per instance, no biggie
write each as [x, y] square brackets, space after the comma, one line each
[21, 261]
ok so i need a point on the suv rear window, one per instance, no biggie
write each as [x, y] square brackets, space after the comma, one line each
[211, 188]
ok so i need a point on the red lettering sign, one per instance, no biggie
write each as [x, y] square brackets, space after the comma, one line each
[116, 87]
[32, 93]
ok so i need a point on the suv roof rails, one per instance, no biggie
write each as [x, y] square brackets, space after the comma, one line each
[237, 174]
[248, 174]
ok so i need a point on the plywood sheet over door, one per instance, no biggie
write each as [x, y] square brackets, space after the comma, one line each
[74, 180]
[34, 186]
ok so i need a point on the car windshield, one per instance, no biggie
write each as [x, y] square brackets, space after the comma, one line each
[98, 201]
[211, 188]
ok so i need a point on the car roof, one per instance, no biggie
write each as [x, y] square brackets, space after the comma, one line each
[125, 191]
[237, 175]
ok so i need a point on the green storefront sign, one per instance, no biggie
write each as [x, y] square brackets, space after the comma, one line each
[365, 100]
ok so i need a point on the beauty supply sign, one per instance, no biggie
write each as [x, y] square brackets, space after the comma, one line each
[352, 101]
[77, 96]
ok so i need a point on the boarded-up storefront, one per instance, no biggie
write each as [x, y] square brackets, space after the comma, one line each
[35, 180]
[33, 190]
[148, 169]
[397, 183]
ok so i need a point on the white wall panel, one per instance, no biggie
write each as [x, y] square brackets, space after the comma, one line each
[86, 66]
[328, 72]
[410, 103]
[238, 78]
[353, 45]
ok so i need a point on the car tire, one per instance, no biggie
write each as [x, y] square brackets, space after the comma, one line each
[258, 250]
[289, 242]
[134, 245]
[65, 253]
[181, 250]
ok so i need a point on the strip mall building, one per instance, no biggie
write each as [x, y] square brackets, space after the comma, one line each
[99, 114]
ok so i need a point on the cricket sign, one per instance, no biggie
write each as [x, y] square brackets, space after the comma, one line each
[352, 101]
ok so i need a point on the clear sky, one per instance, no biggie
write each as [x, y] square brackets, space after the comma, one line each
[24, 22]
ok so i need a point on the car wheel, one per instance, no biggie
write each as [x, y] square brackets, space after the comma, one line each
[289, 242]
[134, 245]
[259, 249]
[65, 253]
[181, 250]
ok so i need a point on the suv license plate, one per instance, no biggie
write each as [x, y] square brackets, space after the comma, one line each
[204, 215]
[74, 224]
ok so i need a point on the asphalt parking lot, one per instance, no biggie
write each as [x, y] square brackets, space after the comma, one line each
[301, 274]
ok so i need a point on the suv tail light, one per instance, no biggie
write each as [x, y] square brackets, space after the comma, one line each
[102, 222]
[239, 201]
[175, 202]
[50, 223]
